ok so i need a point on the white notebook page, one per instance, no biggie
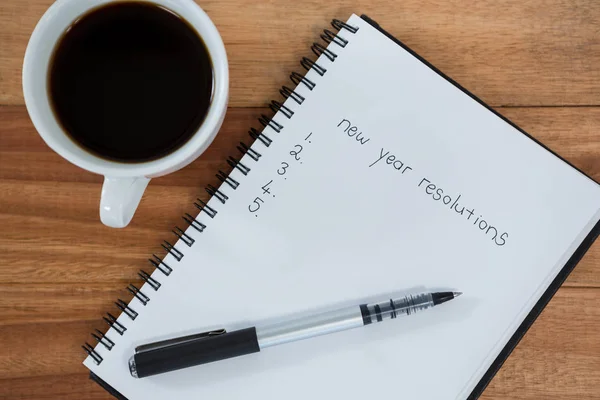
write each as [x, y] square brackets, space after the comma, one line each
[346, 222]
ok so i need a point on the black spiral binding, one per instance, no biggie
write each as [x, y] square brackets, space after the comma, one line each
[328, 37]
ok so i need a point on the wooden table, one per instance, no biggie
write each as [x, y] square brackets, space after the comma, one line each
[536, 61]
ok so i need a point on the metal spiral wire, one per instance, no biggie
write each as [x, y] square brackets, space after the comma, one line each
[328, 37]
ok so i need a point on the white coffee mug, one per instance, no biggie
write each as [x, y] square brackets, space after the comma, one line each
[124, 184]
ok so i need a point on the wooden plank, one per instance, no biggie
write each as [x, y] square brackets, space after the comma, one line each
[64, 387]
[58, 249]
[20, 144]
[54, 303]
[48, 206]
[508, 51]
[39, 349]
[559, 358]
[572, 132]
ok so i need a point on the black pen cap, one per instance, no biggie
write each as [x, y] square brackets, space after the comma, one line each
[193, 350]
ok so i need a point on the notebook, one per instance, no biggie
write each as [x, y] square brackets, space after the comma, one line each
[377, 174]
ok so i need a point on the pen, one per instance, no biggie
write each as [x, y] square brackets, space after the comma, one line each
[173, 354]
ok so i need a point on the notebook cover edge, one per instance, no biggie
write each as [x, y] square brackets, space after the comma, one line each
[109, 389]
[564, 272]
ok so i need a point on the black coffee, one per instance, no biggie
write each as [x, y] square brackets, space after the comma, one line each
[130, 81]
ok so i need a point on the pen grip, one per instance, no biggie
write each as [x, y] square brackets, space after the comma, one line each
[201, 351]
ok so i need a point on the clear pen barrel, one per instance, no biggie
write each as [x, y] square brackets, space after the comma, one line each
[340, 320]
[377, 312]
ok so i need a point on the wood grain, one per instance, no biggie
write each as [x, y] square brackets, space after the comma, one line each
[36, 197]
[61, 269]
[559, 359]
[549, 50]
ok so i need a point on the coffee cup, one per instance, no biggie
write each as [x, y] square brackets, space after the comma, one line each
[124, 181]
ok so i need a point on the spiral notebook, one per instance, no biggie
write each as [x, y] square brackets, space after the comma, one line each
[376, 174]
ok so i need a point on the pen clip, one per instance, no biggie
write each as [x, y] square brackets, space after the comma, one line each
[172, 342]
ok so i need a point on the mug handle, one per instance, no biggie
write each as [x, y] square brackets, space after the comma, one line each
[119, 199]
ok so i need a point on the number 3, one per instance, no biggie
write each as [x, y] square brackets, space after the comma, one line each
[284, 166]
[256, 201]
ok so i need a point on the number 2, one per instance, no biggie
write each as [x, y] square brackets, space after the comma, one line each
[296, 154]
[283, 168]
[256, 201]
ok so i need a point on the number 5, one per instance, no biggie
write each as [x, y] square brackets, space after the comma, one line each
[256, 201]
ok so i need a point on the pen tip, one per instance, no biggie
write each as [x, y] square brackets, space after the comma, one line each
[442, 297]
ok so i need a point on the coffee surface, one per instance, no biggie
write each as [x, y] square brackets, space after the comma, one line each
[130, 81]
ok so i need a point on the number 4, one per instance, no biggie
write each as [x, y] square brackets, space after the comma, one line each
[266, 187]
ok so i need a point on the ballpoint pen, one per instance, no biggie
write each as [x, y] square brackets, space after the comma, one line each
[202, 348]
